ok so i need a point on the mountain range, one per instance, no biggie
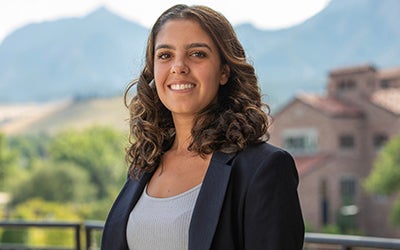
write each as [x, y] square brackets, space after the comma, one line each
[98, 54]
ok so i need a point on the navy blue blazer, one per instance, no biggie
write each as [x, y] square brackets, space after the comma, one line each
[248, 200]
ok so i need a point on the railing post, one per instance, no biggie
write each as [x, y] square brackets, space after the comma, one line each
[88, 237]
[90, 228]
[78, 236]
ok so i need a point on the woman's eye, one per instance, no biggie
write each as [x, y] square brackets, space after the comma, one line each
[199, 54]
[163, 55]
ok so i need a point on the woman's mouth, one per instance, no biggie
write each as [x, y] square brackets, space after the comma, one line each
[181, 86]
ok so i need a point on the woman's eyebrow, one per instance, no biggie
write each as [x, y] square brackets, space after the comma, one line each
[196, 45]
[190, 46]
[164, 46]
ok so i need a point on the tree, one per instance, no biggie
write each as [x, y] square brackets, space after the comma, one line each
[85, 168]
[7, 162]
[385, 175]
[56, 182]
[98, 150]
[30, 148]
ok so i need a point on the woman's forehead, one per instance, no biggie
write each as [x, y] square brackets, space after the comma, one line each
[182, 31]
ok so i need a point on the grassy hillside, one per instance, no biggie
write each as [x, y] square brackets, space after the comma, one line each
[79, 114]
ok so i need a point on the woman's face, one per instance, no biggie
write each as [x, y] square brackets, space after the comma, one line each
[187, 67]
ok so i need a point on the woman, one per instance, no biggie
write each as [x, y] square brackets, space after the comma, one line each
[201, 174]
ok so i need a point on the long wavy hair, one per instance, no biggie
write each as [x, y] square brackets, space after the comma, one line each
[238, 118]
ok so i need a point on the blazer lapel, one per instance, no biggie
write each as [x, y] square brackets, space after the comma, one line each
[209, 202]
[119, 214]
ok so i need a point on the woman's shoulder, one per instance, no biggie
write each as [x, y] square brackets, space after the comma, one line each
[262, 149]
[264, 155]
[254, 155]
[263, 160]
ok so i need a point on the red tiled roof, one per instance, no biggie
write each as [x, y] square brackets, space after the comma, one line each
[389, 73]
[388, 99]
[306, 164]
[352, 70]
[330, 105]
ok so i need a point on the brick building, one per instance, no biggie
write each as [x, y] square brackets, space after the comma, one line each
[334, 139]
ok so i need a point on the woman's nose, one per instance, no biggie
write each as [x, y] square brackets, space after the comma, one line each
[179, 67]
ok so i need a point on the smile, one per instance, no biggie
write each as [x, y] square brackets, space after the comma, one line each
[181, 86]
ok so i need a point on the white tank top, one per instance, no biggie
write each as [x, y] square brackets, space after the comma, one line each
[161, 223]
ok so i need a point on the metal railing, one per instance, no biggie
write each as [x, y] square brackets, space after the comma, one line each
[90, 228]
[91, 232]
[76, 227]
[350, 242]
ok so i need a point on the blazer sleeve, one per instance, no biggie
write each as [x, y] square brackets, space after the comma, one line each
[273, 218]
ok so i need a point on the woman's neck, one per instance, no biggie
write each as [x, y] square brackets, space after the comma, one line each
[183, 135]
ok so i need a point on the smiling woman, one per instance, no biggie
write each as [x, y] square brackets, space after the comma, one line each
[201, 173]
[187, 69]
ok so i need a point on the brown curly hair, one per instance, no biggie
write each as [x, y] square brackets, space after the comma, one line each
[238, 118]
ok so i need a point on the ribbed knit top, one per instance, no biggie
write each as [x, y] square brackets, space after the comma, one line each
[161, 223]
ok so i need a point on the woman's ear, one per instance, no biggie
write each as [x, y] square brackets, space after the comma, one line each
[225, 74]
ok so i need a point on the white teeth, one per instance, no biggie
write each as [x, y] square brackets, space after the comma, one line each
[181, 86]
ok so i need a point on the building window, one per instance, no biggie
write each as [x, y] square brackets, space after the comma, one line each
[296, 142]
[346, 142]
[300, 141]
[346, 85]
[379, 140]
[348, 190]
[347, 218]
[385, 84]
[324, 203]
